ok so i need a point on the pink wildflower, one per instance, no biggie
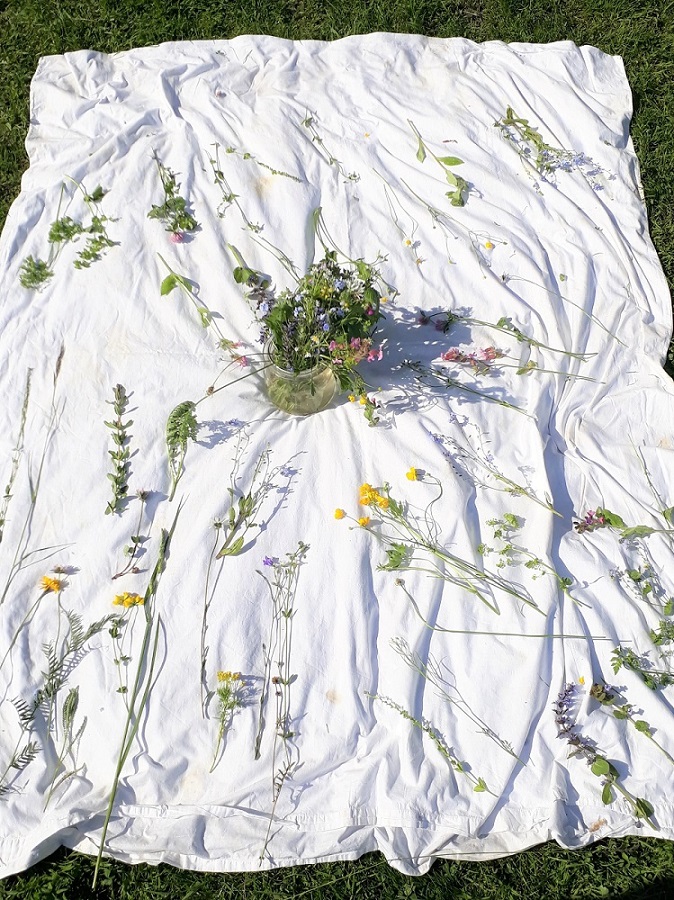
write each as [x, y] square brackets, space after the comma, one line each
[375, 354]
[177, 237]
[354, 343]
[242, 361]
[332, 346]
[452, 355]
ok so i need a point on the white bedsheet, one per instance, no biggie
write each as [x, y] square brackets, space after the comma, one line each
[568, 259]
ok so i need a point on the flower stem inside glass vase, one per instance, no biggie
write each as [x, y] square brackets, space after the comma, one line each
[299, 393]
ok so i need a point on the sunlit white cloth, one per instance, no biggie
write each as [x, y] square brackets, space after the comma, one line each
[567, 258]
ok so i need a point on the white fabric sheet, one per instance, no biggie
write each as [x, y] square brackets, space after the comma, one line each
[568, 260]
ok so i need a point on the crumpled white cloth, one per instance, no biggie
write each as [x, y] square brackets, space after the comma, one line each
[568, 259]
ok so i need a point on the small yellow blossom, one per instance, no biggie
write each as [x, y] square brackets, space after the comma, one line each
[383, 299]
[382, 502]
[363, 399]
[581, 680]
[352, 398]
[339, 513]
[229, 676]
[407, 242]
[126, 600]
[367, 494]
[363, 521]
[489, 246]
[412, 474]
[51, 585]
[367, 134]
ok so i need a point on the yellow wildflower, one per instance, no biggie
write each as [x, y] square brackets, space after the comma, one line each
[352, 399]
[229, 676]
[339, 513]
[581, 680]
[126, 600]
[382, 502]
[367, 494]
[363, 521]
[51, 585]
[489, 246]
[412, 474]
[408, 242]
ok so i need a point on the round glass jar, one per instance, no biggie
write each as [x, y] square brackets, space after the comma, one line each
[299, 393]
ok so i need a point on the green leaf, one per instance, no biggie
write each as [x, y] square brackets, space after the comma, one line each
[643, 808]
[607, 795]
[450, 160]
[637, 531]
[232, 550]
[421, 152]
[168, 284]
[451, 178]
[600, 766]
[642, 726]
[611, 518]
[480, 786]
[669, 515]
[669, 607]
[205, 316]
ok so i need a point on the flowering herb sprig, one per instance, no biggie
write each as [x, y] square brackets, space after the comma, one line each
[472, 459]
[309, 123]
[243, 154]
[49, 584]
[229, 691]
[424, 374]
[611, 697]
[511, 554]
[626, 658]
[35, 272]
[230, 534]
[120, 627]
[283, 591]
[406, 536]
[479, 784]
[173, 211]
[546, 159]
[458, 186]
[444, 321]
[604, 518]
[144, 678]
[135, 546]
[120, 454]
[436, 673]
[582, 747]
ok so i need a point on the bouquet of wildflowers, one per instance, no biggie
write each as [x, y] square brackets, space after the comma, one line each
[329, 318]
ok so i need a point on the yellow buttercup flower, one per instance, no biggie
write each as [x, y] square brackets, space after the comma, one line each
[352, 399]
[126, 600]
[581, 680]
[339, 513]
[51, 585]
[363, 521]
[489, 246]
[382, 502]
[367, 494]
[412, 474]
[363, 399]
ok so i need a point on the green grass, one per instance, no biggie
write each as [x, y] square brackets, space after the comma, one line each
[642, 32]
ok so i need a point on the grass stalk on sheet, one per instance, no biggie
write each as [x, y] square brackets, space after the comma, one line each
[643, 34]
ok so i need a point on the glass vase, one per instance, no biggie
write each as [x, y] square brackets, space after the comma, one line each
[300, 393]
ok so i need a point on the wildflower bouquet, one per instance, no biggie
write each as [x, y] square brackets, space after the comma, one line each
[328, 319]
